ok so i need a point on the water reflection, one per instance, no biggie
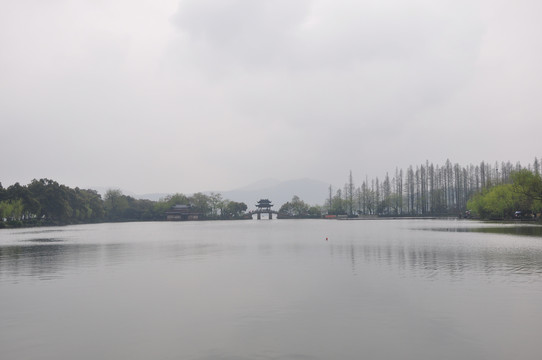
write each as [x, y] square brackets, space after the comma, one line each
[504, 230]
[45, 258]
[434, 261]
[40, 231]
[270, 290]
[430, 257]
[42, 261]
[45, 240]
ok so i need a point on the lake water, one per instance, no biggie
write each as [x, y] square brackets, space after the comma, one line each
[272, 289]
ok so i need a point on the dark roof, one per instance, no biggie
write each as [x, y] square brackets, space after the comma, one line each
[180, 207]
[264, 203]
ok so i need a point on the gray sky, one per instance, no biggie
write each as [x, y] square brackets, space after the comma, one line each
[194, 95]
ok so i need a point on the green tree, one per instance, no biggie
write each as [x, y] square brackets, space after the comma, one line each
[315, 211]
[498, 202]
[53, 199]
[349, 194]
[176, 199]
[94, 203]
[138, 209]
[215, 201]
[201, 203]
[17, 209]
[528, 184]
[295, 207]
[31, 206]
[115, 205]
[3, 194]
[338, 204]
[11, 210]
[233, 209]
[5, 210]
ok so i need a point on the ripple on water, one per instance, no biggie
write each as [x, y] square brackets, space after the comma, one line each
[44, 240]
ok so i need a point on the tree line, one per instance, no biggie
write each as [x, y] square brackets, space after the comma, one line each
[46, 202]
[297, 209]
[424, 190]
[495, 191]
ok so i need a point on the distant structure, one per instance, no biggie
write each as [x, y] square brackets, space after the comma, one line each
[264, 206]
[182, 212]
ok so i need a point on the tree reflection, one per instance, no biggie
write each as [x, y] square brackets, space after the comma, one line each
[433, 261]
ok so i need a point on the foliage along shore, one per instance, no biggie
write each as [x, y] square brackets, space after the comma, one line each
[502, 191]
[480, 191]
[45, 202]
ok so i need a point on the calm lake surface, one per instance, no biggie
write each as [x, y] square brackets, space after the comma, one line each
[384, 289]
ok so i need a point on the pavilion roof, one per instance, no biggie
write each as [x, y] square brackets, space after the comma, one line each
[264, 203]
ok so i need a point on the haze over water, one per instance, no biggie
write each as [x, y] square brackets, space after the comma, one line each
[275, 289]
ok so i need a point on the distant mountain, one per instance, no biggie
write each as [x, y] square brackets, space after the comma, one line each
[261, 184]
[313, 192]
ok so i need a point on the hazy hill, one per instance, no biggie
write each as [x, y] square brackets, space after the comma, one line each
[313, 192]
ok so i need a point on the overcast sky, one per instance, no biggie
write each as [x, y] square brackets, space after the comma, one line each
[196, 95]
